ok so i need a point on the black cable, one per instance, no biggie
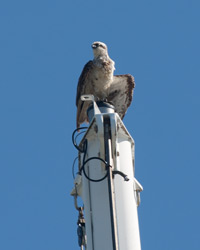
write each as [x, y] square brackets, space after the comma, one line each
[120, 173]
[85, 145]
[73, 167]
[107, 138]
[95, 158]
[84, 150]
[74, 139]
[78, 135]
[76, 146]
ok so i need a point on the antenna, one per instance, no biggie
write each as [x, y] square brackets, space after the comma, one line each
[106, 183]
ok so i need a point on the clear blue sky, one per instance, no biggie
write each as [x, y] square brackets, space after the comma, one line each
[43, 48]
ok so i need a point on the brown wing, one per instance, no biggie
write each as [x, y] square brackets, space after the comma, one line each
[81, 88]
[121, 93]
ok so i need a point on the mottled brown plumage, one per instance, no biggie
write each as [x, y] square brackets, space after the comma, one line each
[97, 79]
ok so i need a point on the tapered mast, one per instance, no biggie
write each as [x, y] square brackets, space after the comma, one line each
[106, 183]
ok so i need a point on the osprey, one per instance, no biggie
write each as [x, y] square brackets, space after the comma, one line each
[97, 79]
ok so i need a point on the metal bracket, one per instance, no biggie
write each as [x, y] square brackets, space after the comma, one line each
[86, 98]
[137, 188]
[77, 190]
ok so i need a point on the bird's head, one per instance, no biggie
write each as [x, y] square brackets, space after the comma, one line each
[99, 49]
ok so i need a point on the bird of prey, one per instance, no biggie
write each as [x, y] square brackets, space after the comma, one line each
[97, 79]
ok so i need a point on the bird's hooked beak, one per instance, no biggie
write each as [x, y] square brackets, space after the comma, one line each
[94, 46]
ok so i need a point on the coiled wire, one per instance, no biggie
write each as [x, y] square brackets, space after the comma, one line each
[84, 151]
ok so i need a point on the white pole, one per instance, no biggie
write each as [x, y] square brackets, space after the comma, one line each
[110, 201]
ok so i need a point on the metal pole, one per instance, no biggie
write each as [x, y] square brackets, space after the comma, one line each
[107, 185]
